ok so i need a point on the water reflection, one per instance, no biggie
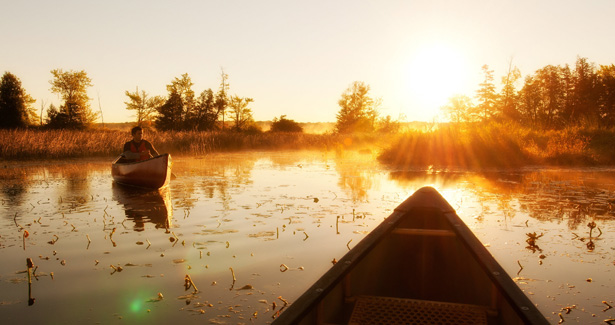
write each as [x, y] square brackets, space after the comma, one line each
[14, 185]
[143, 206]
[253, 212]
[574, 196]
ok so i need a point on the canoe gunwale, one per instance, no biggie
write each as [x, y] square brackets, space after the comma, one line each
[424, 199]
[514, 295]
[117, 159]
[129, 173]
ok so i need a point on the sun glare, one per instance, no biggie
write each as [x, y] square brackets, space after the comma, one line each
[434, 74]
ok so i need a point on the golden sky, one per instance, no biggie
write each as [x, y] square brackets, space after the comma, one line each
[295, 58]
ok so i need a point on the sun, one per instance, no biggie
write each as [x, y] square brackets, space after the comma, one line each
[434, 73]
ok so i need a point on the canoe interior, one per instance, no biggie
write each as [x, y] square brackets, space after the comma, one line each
[420, 254]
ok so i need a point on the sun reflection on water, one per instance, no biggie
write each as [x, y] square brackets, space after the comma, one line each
[254, 212]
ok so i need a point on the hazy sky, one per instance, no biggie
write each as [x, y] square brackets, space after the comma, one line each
[297, 57]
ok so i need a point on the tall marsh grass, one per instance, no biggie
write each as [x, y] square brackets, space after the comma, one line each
[466, 146]
[61, 144]
[501, 145]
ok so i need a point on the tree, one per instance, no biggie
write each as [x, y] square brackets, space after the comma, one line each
[16, 110]
[205, 112]
[486, 95]
[222, 100]
[458, 109]
[169, 113]
[530, 101]
[183, 88]
[552, 93]
[606, 99]
[72, 87]
[388, 125]
[507, 98]
[144, 105]
[177, 109]
[285, 125]
[239, 112]
[584, 95]
[358, 111]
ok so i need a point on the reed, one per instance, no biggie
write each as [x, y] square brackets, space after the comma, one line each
[466, 146]
[27, 144]
[501, 145]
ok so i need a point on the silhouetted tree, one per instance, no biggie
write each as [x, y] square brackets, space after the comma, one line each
[585, 97]
[72, 87]
[205, 112]
[16, 110]
[508, 96]
[388, 125]
[606, 98]
[143, 105]
[169, 113]
[530, 102]
[458, 109]
[553, 95]
[285, 125]
[222, 99]
[174, 113]
[357, 110]
[486, 96]
[239, 112]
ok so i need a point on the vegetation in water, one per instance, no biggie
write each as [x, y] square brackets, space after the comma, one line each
[501, 145]
[62, 144]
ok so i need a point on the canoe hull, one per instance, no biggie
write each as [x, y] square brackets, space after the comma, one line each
[421, 257]
[153, 173]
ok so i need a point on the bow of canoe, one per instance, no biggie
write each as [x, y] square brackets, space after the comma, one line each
[421, 265]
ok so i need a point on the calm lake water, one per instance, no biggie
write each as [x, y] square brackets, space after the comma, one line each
[107, 254]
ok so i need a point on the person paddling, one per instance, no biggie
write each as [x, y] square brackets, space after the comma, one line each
[139, 149]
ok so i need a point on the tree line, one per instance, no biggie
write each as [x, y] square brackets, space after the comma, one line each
[182, 109]
[553, 97]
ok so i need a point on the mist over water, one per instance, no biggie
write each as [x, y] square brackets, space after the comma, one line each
[277, 220]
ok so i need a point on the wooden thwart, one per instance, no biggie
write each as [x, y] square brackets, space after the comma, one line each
[424, 232]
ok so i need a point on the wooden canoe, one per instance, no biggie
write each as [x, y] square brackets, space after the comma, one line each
[422, 265]
[152, 173]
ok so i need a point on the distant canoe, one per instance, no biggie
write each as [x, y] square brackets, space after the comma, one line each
[422, 265]
[152, 173]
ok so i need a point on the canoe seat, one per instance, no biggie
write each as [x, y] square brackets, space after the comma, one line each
[424, 232]
[387, 310]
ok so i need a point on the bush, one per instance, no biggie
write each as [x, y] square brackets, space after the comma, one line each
[285, 125]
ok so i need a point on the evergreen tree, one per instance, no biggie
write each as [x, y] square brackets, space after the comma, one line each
[486, 96]
[169, 113]
[205, 113]
[606, 99]
[16, 110]
[585, 96]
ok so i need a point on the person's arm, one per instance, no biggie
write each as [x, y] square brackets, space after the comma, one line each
[151, 149]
